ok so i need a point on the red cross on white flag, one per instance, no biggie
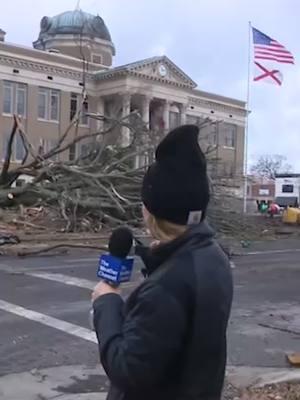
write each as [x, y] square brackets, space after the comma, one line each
[267, 74]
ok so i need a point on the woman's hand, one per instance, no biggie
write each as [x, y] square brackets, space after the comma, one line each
[155, 243]
[103, 288]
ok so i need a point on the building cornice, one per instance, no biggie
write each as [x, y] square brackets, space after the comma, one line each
[28, 53]
[217, 106]
[42, 68]
[219, 98]
[205, 100]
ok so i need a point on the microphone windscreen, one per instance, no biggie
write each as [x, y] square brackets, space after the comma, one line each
[120, 242]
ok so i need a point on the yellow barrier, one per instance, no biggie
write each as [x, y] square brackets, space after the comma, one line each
[291, 216]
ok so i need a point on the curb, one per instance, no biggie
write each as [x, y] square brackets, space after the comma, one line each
[239, 377]
[58, 382]
[244, 377]
[84, 396]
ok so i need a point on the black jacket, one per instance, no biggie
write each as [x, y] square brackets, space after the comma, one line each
[168, 341]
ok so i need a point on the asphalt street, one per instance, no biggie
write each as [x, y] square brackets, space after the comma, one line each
[46, 342]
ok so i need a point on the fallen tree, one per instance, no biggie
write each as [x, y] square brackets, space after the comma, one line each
[101, 187]
[102, 184]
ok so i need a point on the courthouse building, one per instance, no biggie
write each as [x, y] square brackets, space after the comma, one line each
[44, 85]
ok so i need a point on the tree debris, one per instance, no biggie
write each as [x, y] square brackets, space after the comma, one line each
[59, 246]
[100, 188]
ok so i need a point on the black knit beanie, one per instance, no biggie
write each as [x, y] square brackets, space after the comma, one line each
[176, 183]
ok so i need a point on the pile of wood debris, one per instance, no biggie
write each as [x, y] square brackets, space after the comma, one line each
[282, 391]
[99, 189]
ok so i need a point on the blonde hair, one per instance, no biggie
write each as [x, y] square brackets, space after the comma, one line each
[162, 230]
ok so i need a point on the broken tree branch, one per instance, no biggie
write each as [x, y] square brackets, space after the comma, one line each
[101, 187]
[62, 245]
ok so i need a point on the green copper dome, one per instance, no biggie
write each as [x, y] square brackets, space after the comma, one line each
[75, 22]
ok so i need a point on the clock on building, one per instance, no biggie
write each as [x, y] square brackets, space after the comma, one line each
[162, 70]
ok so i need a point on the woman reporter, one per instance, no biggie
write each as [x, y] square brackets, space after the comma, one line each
[168, 340]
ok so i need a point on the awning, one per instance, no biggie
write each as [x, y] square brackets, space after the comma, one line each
[286, 201]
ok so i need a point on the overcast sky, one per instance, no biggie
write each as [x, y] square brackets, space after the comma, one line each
[208, 39]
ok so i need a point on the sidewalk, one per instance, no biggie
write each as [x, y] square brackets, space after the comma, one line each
[79, 382]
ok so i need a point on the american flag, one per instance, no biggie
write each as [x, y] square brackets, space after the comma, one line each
[266, 48]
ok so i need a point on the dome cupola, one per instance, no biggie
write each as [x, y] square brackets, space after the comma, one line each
[75, 32]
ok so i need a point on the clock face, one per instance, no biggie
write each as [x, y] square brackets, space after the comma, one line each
[162, 70]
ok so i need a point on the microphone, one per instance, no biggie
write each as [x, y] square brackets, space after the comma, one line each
[116, 267]
[120, 242]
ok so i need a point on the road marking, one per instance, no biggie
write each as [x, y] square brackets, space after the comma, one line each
[73, 281]
[66, 327]
[256, 253]
[66, 279]
[82, 260]
[26, 268]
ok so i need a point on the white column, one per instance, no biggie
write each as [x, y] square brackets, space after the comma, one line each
[140, 160]
[100, 111]
[125, 132]
[166, 115]
[183, 108]
[146, 110]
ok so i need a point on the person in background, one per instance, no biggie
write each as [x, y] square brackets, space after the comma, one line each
[264, 207]
[274, 209]
[168, 340]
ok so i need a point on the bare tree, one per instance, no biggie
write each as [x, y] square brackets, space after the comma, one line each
[102, 186]
[268, 166]
[102, 183]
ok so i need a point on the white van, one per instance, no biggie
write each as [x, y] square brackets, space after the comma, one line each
[287, 190]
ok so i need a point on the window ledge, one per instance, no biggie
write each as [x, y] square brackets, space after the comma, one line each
[48, 120]
[12, 115]
[229, 147]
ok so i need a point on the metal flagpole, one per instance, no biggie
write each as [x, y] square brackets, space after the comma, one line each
[247, 121]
